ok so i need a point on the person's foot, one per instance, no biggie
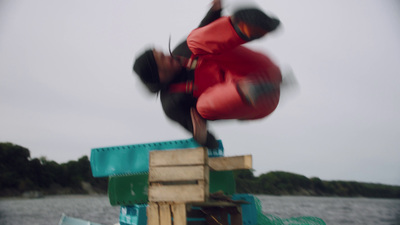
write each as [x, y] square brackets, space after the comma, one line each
[252, 23]
[199, 127]
[251, 90]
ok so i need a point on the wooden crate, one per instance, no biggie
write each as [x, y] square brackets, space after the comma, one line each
[178, 213]
[231, 163]
[179, 176]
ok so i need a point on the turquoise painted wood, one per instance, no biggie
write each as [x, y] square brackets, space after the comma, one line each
[131, 159]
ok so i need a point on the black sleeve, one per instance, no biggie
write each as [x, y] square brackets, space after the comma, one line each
[210, 17]
[182, 49]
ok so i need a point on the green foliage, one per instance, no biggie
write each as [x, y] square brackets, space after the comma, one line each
[285, 183]
[245, 181]
[14, 165]
[20, 173]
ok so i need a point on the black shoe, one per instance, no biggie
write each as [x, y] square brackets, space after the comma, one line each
[252, 23]
[211, 142]
[251, 90]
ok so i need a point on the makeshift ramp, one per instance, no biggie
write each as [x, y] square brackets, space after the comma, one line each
[174, 183]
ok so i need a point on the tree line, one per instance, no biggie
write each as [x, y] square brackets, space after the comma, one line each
[21, 173]
[285, 183]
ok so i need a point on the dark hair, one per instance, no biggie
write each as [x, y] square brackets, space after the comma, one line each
[146, 68]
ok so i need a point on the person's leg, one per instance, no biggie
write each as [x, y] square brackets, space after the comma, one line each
[226, 33]
[177, 107]
[199, 126]
[252, 23]
[223, 101]
[216, 37]
[253, 89]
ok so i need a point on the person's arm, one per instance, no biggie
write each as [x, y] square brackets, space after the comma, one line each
[213, 14]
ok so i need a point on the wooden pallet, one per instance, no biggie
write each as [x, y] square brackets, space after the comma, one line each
[179, 176]
[213, 213]
[179, 182]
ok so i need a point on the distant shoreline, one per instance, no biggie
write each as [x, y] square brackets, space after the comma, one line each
[5, 198]
[25, 177]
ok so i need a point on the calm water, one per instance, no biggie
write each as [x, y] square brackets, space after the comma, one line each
[343, 211]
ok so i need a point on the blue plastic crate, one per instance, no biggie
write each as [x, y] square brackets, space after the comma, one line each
[133, 215]
[131, 159]
[249, 211]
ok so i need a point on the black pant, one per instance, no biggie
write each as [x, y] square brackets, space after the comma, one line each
[177, 106]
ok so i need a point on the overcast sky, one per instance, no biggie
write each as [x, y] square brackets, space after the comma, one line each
[66, 83]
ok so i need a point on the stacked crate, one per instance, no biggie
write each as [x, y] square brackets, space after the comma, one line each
[179, 181]
[172, 180]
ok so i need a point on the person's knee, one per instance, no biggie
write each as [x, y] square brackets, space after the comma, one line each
[205, 109]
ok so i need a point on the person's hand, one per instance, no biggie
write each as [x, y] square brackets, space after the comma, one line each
[216, 5]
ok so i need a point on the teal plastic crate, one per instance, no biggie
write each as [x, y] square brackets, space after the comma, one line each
[131, 159]
[136, 214]
[249, 211]
[133, 189]
[222, 181]
[128, 190]
[133, 215]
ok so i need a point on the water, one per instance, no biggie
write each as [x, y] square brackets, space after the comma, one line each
[340, 211]
[48, 210]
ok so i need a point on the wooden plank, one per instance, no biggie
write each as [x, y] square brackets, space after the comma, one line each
[194, 213]
[152, 214]
[179, 213]
[217, 216]
[224, 216]
[165, 214]
[177, 193]
[230, 163]
[236, 218]
[206, 182]
[196, 156]
[177, 173]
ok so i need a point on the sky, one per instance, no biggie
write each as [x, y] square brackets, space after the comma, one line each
[67, 86]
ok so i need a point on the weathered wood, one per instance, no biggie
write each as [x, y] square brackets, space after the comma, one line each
[179, 213]
[179, 180]
[153, 214]
[217, 216]
[236, 218]
[206, 182]
[195, 213]
[176, 173]
[224, 217]
[230, 163]
[215, 213]
[197, 156]
[165, 214]
[178, 193]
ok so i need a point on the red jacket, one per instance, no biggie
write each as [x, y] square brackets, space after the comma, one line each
[220, 58]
